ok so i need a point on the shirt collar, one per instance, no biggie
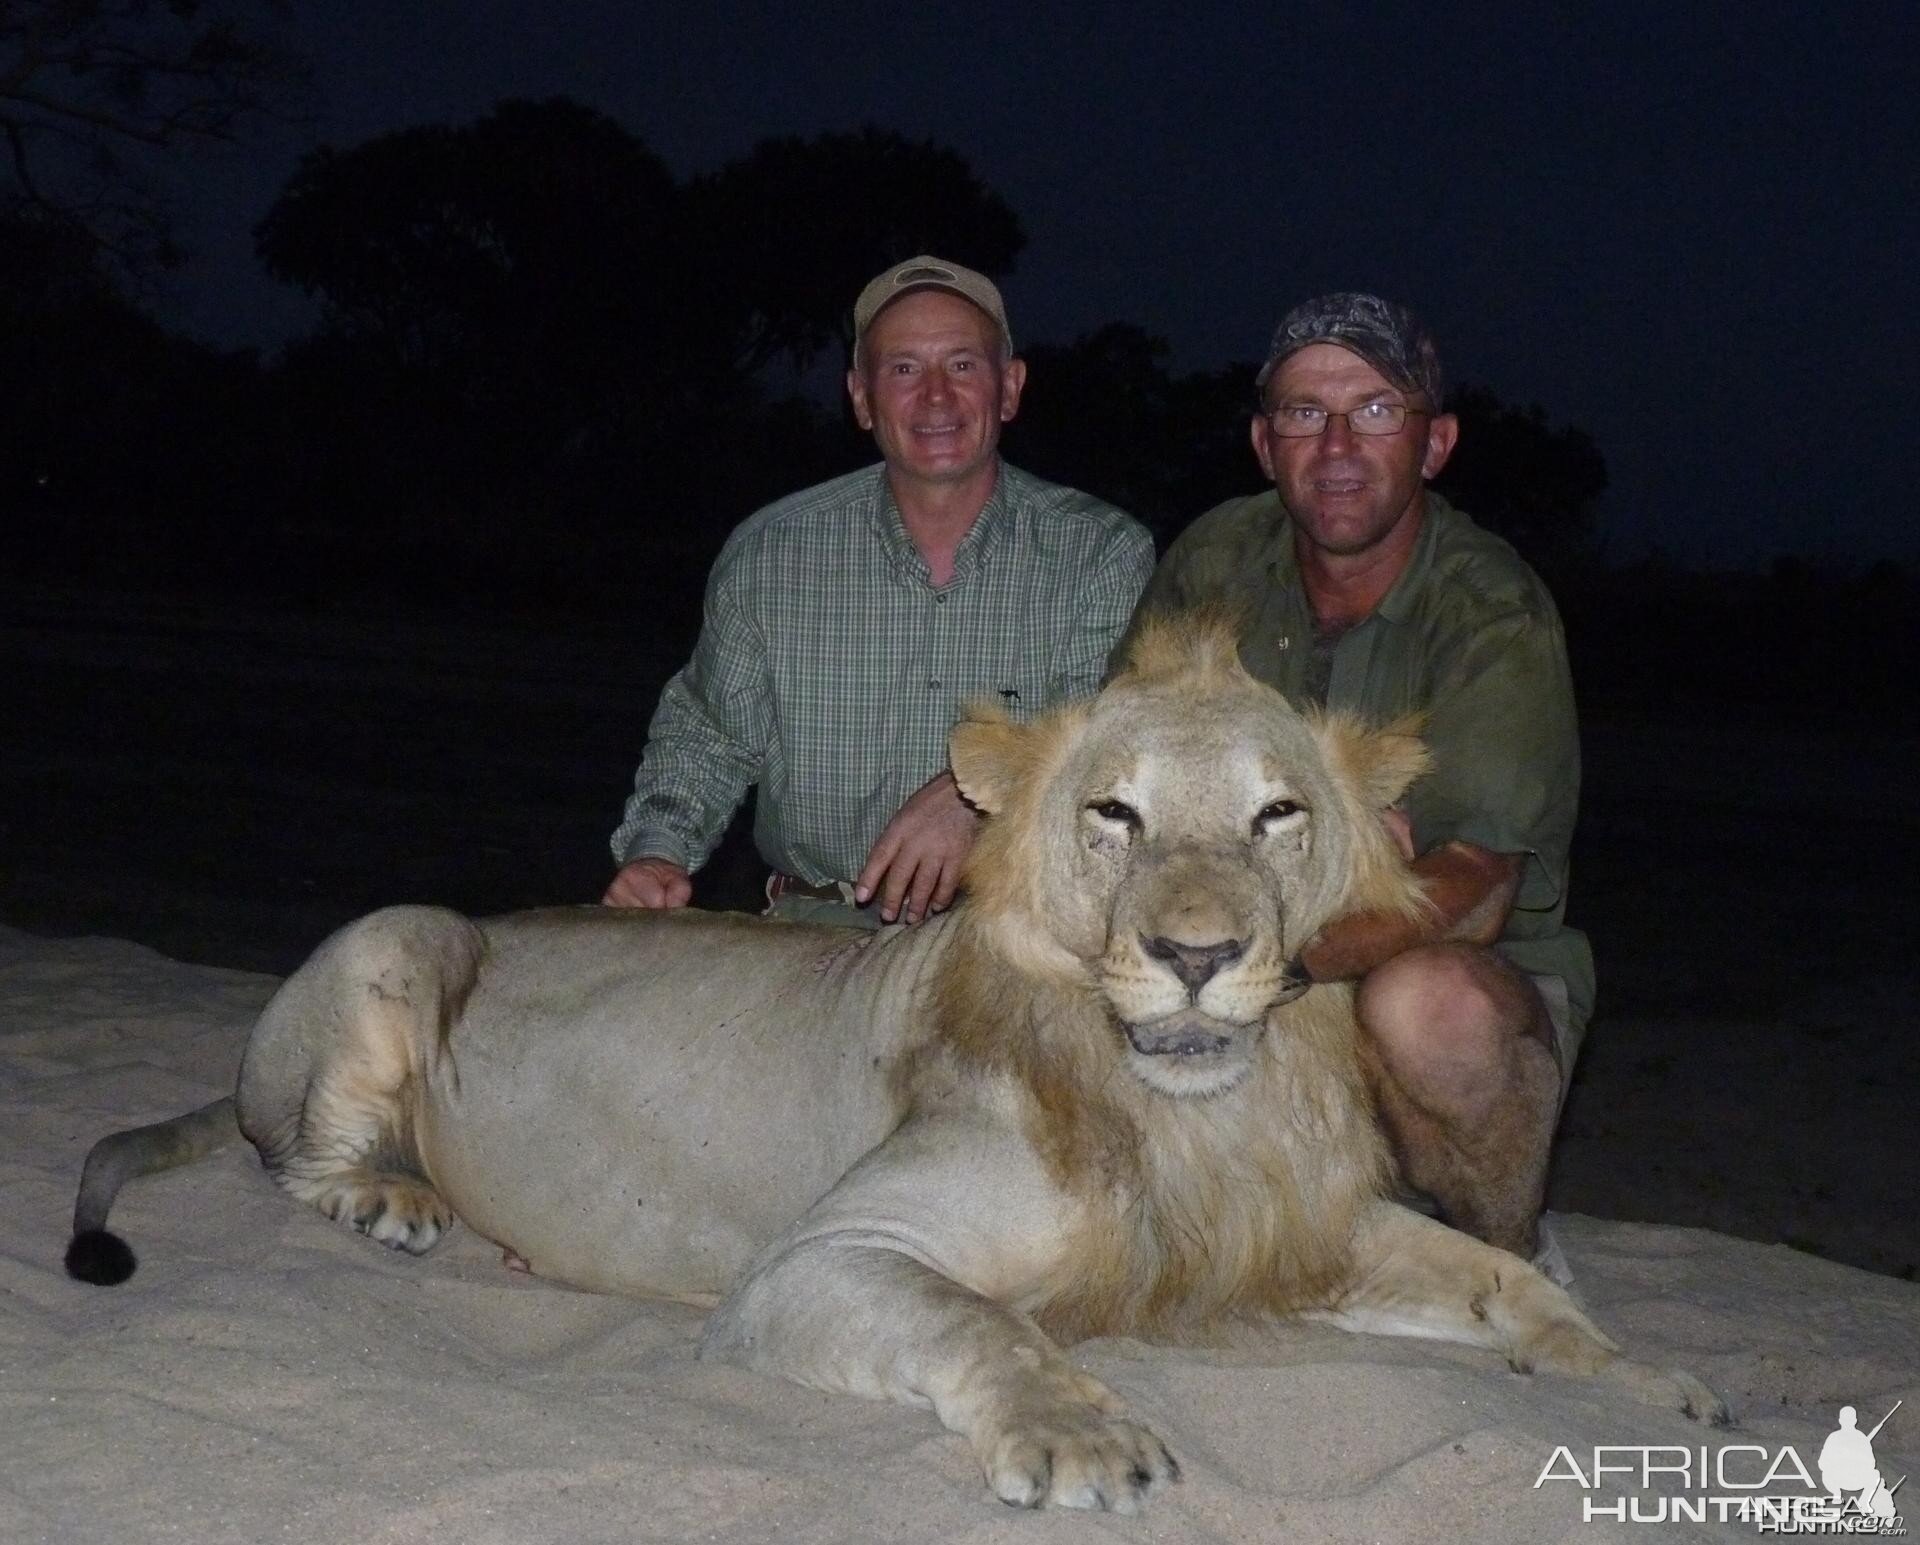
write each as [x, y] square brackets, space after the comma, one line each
[1284, 563]
[981, 538]
[988, 526]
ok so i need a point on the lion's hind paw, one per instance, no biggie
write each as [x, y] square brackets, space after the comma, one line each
[398, 1211]
[1078, 1456]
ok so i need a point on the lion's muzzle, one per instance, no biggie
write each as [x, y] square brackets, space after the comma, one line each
[1182, 1035]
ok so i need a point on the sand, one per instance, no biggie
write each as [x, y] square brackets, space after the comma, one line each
[268, 1375]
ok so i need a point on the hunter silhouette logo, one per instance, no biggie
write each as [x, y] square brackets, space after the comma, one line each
[1847, 1469]
[1771, 1488]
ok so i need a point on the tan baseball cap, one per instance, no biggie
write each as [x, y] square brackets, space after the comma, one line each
[929, 273]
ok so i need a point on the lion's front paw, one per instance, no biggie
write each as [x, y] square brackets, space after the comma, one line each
[1571, 1345]
[1068, 1452]
[1673, 1388]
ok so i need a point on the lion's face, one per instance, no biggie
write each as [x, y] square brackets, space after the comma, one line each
[1174, 844]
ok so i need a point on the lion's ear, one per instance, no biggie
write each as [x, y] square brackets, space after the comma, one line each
[991, 757]
[1382, 764]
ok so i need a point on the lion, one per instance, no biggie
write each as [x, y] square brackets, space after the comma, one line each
[1095, 1098]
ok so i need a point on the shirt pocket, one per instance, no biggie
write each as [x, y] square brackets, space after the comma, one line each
[1018, 690]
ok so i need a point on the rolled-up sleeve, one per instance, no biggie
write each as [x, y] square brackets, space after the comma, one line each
[707, 743]
[1506, 752]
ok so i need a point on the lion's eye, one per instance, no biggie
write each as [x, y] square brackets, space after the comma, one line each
[1278, 811]
[1114, 810]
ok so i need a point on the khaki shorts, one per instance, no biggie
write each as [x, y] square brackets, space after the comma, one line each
[795, 908]
[1567, 1032]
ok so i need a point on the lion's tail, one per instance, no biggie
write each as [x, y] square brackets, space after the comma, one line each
[98, 1255]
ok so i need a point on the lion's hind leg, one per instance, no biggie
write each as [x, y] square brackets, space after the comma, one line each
[397, 1210]
[334, 1073]
[1413, 1276]
[348, 1154]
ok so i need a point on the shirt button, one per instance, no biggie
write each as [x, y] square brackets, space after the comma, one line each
[933, 686]
[940, 599]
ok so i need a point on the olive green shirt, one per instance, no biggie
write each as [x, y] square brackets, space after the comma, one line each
[1468, 636]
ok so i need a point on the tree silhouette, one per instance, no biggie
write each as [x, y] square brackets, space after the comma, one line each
[1104, 413]
[442, 247]
[796, 226]
[545, 363]
[519, 283]
[527, 321]
[124, 450]
[549, 223]
[1538, 486]
[93, 93]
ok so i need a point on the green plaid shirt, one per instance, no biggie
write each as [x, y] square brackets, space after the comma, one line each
[829, 669]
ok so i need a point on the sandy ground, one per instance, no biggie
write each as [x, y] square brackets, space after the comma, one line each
[230, 787]
[268, 1374]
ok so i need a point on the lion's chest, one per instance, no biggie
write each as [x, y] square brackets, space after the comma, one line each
[1211, 1209]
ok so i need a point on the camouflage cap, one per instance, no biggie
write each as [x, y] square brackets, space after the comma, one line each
[1388, 337]
[928, 273]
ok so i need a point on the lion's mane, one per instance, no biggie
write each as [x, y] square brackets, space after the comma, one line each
[1193, 1211]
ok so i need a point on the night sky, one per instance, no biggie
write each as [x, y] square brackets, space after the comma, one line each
[1689, 229]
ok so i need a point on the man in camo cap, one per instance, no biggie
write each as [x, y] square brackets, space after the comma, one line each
[1363, 590]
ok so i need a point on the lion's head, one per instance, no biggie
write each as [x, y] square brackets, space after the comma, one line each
[1173, 843]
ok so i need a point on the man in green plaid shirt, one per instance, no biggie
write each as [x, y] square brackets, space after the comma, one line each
[847, 625]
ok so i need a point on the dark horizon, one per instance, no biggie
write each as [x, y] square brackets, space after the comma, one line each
[1656, 225]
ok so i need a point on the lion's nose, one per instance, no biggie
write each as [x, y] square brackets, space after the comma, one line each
[1194, 964]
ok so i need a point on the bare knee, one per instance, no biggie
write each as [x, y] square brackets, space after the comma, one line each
[1447, 1020]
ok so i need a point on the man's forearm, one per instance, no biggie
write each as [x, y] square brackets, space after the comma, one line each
[692, 777]
[1470, 892]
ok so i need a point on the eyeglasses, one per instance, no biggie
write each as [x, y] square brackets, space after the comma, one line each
[1303, 420]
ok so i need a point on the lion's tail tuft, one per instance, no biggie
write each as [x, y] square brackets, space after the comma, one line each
[100, 1256]
[95, 1254]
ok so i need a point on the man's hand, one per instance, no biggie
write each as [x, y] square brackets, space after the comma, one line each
[1472, 891]
[917, 859]
[1484, 888]
[1399, 826]
[650, 882]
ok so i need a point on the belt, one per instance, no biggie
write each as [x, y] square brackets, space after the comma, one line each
[779, 884]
